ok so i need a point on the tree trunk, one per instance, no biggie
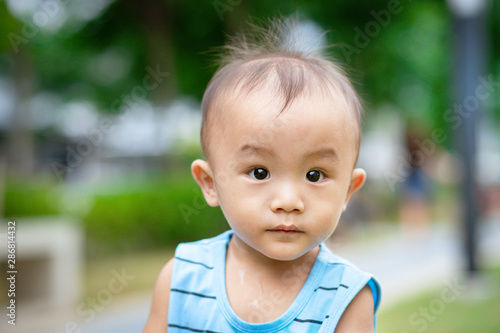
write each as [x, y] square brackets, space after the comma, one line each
[21, 146]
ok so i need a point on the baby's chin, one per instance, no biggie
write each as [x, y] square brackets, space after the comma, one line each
[287, 252]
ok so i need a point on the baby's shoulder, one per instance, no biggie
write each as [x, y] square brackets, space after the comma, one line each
[341, 273]
[331, 258]
[345, 277]
[157, 320]
[204, 252]
[335, 263]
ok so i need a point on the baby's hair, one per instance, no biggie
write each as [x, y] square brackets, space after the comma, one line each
[280, 54]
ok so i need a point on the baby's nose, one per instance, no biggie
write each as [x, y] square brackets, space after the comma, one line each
[287, 198]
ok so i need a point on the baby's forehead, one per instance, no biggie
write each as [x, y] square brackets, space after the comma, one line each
[259, 115]
[269, 100]
[260, 112]
[266, 104]
[254, 120]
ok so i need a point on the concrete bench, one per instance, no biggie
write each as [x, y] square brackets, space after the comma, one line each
[49, 261]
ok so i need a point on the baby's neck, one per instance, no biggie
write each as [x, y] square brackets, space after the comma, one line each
[261, 289]
[258, 262]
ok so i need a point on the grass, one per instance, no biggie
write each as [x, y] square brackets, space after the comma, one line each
[142, 269]
[436, 311]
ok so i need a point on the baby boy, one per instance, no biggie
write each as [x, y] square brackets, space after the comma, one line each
[280, 135]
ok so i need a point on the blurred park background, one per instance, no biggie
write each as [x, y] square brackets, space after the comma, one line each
[99, 122]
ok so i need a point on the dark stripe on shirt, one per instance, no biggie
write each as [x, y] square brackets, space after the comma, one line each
[191, 293]
[308, 321]
[332, 288]
[190, 329]
[194, 262]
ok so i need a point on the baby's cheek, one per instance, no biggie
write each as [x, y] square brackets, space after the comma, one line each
[240, 210]
[330, 214]
[248, 209]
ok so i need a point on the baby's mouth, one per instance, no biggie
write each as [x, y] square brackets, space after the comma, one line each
[285, 228]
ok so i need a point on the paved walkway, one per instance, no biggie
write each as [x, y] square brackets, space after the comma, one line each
[404, 266]
[407, 265]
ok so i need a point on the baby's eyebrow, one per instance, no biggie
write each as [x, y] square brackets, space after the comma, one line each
[321, 153]
[250, 149]
[328, 153]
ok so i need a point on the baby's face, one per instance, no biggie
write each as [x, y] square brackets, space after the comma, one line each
[282, 182]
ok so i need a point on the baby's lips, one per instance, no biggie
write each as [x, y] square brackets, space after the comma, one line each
[286, 228]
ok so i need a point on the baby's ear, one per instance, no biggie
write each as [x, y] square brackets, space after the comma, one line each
[358, 178]
[203, 175]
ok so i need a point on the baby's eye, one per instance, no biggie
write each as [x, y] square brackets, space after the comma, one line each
[259, 173]
[314, 176]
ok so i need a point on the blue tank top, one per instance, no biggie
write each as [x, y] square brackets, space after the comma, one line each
[199, 302]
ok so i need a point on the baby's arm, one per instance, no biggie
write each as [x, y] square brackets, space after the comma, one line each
[358, 316]
[158, 317]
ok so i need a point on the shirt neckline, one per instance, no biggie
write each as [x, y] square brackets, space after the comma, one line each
[288, 316]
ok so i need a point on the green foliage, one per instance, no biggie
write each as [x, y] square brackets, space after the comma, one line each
[429, 313]
[30, 198]
[9, 26]
[155, 214]
[405, 60]
[151, 214]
